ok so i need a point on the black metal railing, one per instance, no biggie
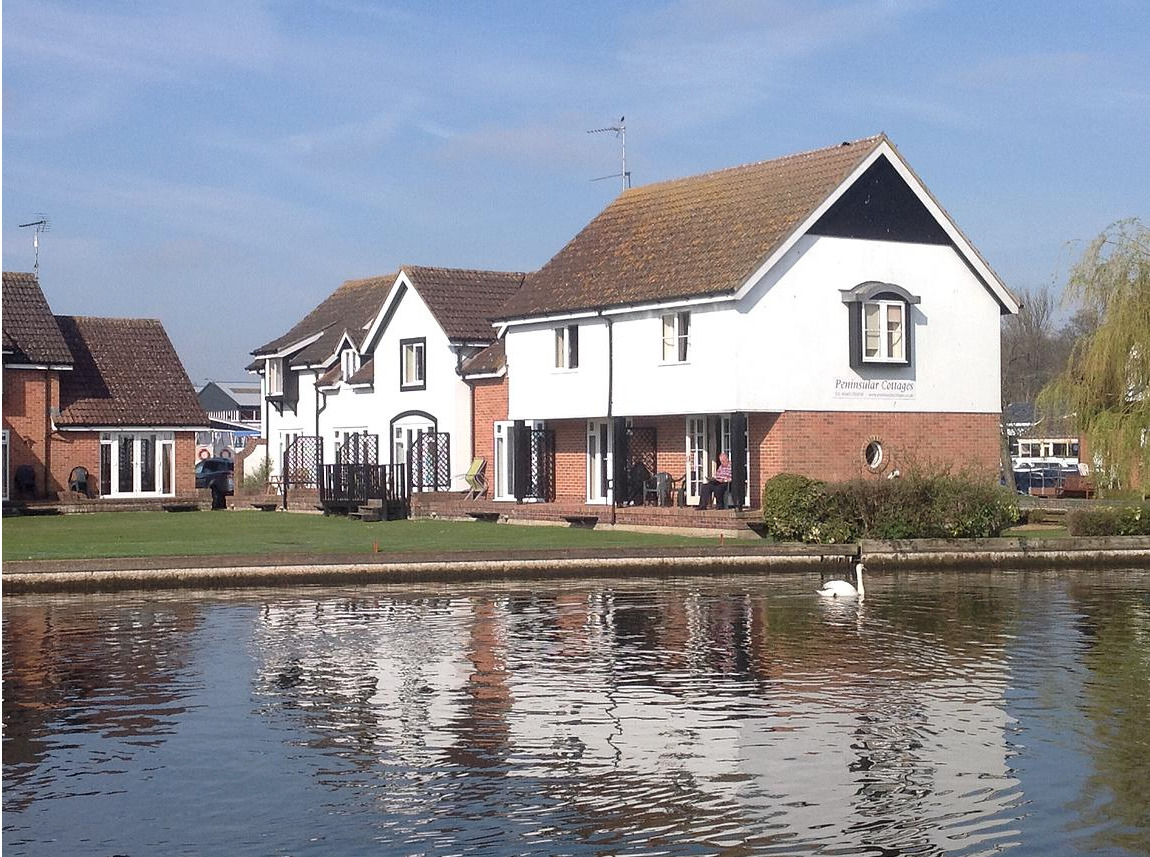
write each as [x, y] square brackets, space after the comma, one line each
[351, 484]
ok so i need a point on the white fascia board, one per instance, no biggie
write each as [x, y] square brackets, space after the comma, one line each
[550, 319]
[469, 343]
[480, 376]
[401, 282]
[290, 349]
[43, 367]
[994, 284]
[674, 304]
[628, 309]
[204, 427]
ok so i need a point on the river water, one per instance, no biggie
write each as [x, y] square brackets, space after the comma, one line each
[947, 713]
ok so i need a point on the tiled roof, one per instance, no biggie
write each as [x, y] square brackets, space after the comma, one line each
[348, 308]
[364, 375]
[491, 359]
[464, 301]
[30, 331]
[697, 236]
[126, 373]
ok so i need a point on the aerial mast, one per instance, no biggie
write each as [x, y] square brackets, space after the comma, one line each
[620, 131]
[39, 226]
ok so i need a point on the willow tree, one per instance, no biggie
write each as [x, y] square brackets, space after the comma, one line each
[1106, 382]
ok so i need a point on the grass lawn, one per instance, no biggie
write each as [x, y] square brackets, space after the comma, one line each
[112, 534]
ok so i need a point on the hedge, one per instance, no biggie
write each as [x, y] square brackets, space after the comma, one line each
[1110, 521]
[796, 508]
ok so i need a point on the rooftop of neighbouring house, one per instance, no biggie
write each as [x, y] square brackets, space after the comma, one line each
[125, 373]
[31, 335]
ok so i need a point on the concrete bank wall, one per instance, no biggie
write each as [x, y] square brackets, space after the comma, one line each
[104, 575]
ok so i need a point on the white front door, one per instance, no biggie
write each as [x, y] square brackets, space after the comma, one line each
[698, 458]
[600, 461]
[504, 464]
[403, 436]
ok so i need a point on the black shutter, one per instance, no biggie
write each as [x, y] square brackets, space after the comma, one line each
[521, 465]
[620, 476]
[854, 312]
[739, 463]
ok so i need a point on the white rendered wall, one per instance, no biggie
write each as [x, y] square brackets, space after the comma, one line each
[301, 420]
[446, 396]
[784, 346]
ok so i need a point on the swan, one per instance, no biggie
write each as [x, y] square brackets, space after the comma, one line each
[842, 589]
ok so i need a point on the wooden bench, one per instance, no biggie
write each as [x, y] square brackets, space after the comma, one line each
[587, 521]
[1076, 485]
[266, 507]
[181, 507]
[490, 517]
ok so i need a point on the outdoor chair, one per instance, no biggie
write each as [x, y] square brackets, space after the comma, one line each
[78, 480]
[476, 483]
[661, 487]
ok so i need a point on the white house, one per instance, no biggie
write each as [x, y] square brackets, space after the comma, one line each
[819, 313]
[375, 368]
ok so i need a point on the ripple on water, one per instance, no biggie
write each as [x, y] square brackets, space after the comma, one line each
[944, 714]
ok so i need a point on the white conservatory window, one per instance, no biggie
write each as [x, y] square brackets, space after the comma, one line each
[137, 464]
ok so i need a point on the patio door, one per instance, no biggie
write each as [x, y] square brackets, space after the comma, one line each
[503, 467]
[600, 461]
[698, 457]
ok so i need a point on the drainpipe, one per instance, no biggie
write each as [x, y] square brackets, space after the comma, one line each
[610, 398]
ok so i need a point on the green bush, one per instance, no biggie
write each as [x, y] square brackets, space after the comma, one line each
[1110, 521]
[915, 507]
[793, 507]
[257, 480]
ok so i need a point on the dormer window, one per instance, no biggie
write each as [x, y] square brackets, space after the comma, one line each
[349, 363]
[412, 364]
[275, 376]
[880, 324]
[567, 347]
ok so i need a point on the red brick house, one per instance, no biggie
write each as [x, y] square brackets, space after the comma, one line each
[106, 394]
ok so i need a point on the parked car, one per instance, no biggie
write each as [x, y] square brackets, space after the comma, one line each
[218, 474]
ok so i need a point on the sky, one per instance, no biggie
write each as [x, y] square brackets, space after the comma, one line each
[224, 166]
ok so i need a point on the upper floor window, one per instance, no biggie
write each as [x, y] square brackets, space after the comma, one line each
[349, 363]
[412, 364]
[884, 331]
[275, 376]
[676, 336]
[880, 324]
[567, 347]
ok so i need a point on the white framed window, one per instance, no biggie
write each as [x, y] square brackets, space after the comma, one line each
[348, 363]
[412, 364]
[567, 347]
[676, 337]
[134, 464]
[884, 331]
[275, 376]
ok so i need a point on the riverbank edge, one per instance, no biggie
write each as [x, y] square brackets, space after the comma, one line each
[123, 573]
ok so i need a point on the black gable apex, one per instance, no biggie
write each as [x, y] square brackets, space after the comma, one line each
[880, 206]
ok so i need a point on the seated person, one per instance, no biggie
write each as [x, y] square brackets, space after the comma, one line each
[717, 485]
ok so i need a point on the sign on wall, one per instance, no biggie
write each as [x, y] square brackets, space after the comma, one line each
[861, 388]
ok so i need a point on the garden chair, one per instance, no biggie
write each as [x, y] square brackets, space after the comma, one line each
[78, 480]
[476, 483]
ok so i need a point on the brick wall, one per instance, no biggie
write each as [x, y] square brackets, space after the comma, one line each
[489, 405]
[29, 395]
[570, 459]
[830, 445]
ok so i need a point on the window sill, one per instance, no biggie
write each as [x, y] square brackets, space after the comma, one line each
[407, 388]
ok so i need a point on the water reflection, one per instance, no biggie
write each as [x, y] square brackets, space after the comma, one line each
[941, 714]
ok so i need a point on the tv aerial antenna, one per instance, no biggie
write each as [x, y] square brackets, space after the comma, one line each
[620, 131]
[38, 227]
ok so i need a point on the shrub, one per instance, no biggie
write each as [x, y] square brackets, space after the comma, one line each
[793, 507]
[1110, 521]
[257, 480]
[930, 505]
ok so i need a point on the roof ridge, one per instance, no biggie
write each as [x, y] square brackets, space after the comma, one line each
[872, 140]
[107, 318]
[462, 270]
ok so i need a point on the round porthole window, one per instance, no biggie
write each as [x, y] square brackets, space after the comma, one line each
[873, 455]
